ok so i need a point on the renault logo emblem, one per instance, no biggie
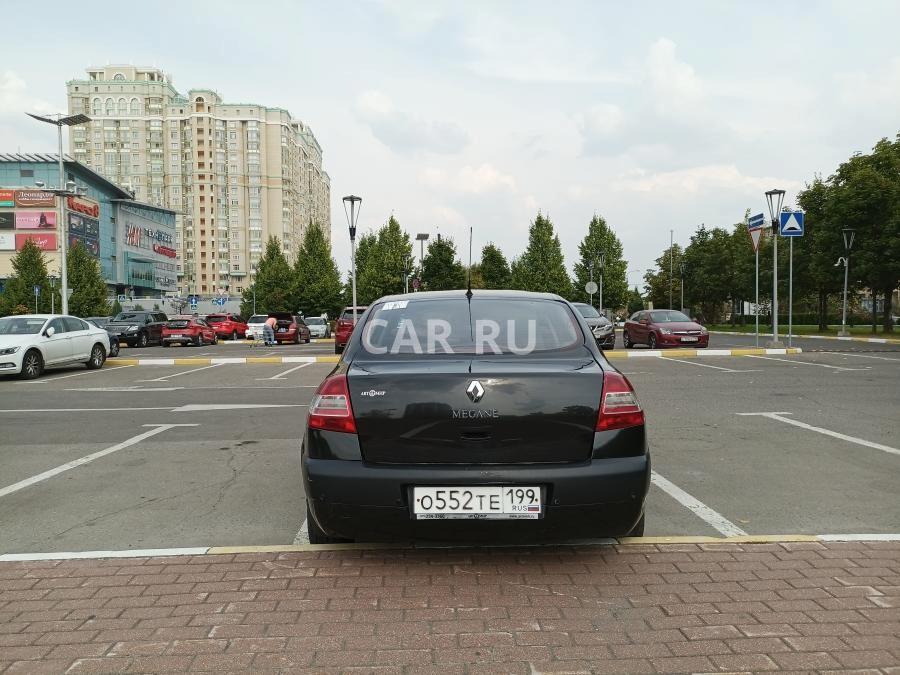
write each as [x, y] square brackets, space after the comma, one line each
[475, 391]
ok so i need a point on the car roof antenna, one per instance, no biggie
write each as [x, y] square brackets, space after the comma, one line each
[469, 282]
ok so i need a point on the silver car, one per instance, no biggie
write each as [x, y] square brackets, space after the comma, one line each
[318, 327]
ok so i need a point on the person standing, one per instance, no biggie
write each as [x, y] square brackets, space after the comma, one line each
[269, 330]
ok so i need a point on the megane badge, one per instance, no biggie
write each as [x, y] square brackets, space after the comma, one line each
[475, 391]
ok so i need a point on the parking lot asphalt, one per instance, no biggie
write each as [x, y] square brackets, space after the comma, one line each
[102, 460]
[858, 343]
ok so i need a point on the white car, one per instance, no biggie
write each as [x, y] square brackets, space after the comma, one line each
[318, 326]
[255, 326]
[31, 342]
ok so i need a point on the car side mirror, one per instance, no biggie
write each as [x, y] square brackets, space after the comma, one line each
[51, 331]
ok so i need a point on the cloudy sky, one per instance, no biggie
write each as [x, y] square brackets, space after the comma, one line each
[656, 115]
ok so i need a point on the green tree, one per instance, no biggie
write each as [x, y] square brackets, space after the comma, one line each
[441, 270]
[494, 268]
[273, 284]
[317, 281]
[600, 239]
[542, 267]
[635, 301]
[364, 247]
[384, 264]
[86, 281]
[657, 280]
[116, 308]
[865, 196]
[29, 270]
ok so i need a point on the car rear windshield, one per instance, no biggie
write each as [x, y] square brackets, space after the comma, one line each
[484, 326]
[18, 325]
[315, 321]
[348, 313]
[130, 316]
[215, 319]
[587, 311]
[257, 318]
[667, 316]
[179, 323]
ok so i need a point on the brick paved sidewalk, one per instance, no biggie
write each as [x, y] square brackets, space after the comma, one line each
[625, 608]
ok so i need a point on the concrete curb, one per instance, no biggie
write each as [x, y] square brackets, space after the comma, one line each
[691, 353]
[299, 548]
[880, 341]
[238, 360]
[249, 360]
[250, 342]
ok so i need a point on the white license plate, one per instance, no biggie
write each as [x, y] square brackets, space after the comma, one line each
[487, 502]
[688, 339]
[176, 336]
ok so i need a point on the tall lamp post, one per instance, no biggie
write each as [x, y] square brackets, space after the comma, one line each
[681, 268]
[60, 121]
[775, 199]
[421, 237]
[52, 294]
[849, 235]
[602, 261]
[354, 203]
[671, 261]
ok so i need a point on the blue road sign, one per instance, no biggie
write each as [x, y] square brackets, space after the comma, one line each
[792, 224]
[220, 301]
[37, 290]
[756, 222]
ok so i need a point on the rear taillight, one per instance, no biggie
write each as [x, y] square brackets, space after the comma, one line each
[619, 408]
[330, 408]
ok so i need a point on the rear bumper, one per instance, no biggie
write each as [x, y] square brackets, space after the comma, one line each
[677, 341]
[600, 497]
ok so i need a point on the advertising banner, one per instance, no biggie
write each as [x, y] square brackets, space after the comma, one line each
[92, 245]
[76, 223]
[36, 220]
[44, 241]
[35, 198]
[7, 198]
[89, 227]
[7, 241]
[7, 220]
[87, 207]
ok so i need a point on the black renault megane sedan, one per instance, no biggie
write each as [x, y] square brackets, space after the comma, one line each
[474, 415]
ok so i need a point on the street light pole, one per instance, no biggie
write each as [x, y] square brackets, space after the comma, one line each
[602, 263]
[681, 264]
[775, 199]
[849, 236]
[591, 279]
[671, 261]
[59, 122]
[352, 218]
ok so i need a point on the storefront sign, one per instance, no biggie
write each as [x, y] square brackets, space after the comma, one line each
[36, 198]
[36, 220]
[7, 198]
[165, 250]
[45, 242]
[92, 246]
[158, 235]
[7, 241]
[87, 207]
[7, 220]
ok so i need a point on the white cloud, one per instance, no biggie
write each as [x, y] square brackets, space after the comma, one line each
[531, 203]
[473, 180]
[445, 215]
[600, 125]
[697, 180]
[676, 86]
[404, 132]
[14, 96]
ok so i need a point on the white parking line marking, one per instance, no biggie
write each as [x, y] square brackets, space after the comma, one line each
[302, 536]
[707, 365]
[164, 378]
[203, 407]
[46, 410]
[125, 389]
[828, 432]
[156, 429]
[805, 363]
[280, 376]
[701, 510]
[83, 372]
[866, 356]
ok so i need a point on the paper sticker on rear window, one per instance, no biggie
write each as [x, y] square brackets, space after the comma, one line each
[396, 304]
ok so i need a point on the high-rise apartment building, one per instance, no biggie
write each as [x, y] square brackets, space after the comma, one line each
[236, 172]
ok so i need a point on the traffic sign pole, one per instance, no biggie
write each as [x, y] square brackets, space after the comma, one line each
[756, 309]
[791, 294]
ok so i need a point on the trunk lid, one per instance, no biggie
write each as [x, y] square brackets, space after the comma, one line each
[532, 409]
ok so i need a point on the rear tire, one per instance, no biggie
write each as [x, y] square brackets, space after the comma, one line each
[626, 341]
[638, 529]
[651, 341]
[215, 339]
[234, 336]
[114, 348]
[316, 535]
[198, 341]
[142, 340]
[97, 358]
[32, 365]
[337, 348]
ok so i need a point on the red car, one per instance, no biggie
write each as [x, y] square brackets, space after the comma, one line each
[228, 326]
[188, 330]
[344, 326]
[664, 328]
[290, 328]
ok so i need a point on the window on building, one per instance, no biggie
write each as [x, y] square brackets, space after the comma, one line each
[96, 107]
[135, 107]
[123, 107]
[110, 107]
[119, 76]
